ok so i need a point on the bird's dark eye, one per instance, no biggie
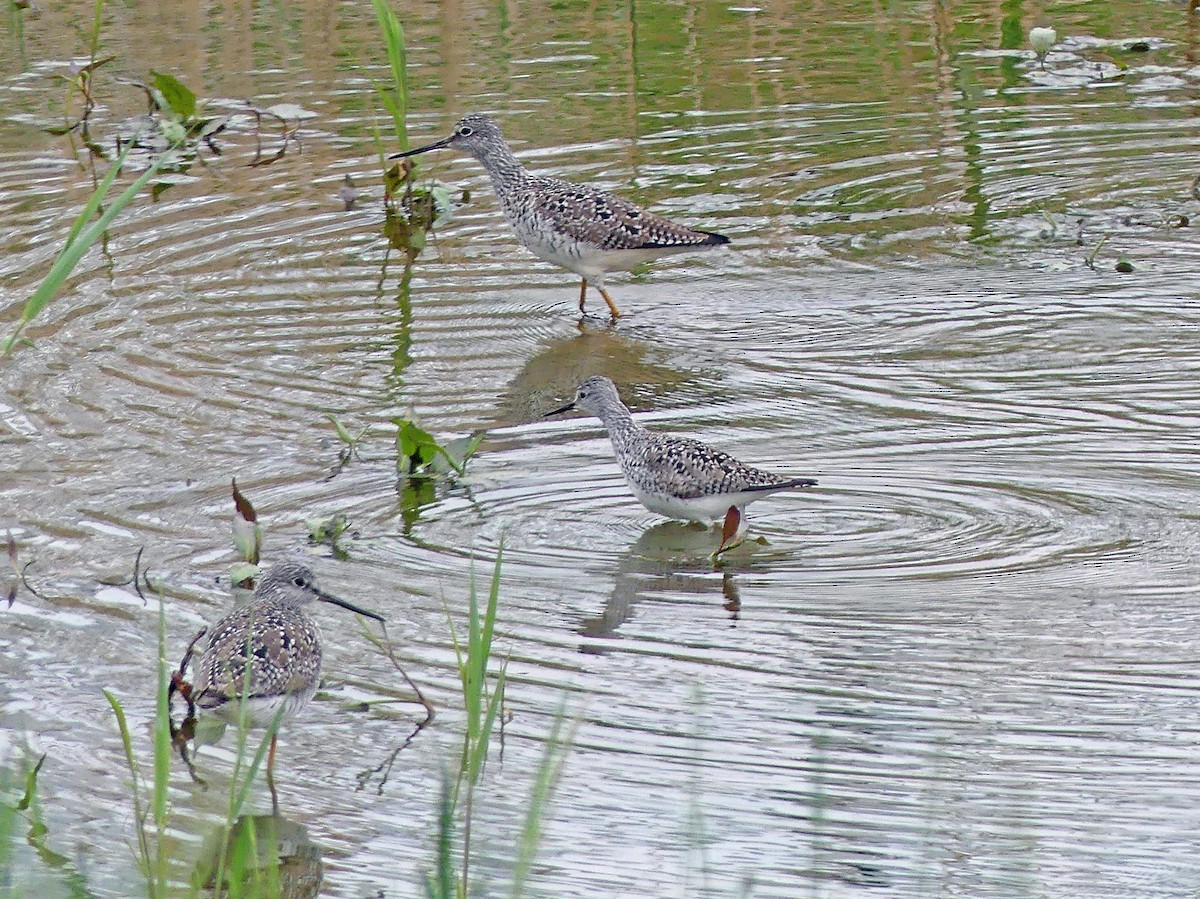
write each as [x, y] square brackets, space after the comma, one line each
[465, 131]
[299, 581]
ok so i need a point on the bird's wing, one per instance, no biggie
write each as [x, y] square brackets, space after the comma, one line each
[600, 218]
[221, 675]
[699, 470]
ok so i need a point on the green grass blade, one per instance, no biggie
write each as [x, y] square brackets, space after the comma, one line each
[138, 812]
[243, 794]
[79, 243]
[489, 618]
[549, 774]
[162, 753]
[473, 670]
[97, 196]
[394, 98]
[495, 703]
[8, 831]
[97, 21]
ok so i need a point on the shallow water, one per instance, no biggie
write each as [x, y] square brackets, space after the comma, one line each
[962, 665]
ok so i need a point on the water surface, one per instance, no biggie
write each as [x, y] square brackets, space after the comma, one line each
[963, 665]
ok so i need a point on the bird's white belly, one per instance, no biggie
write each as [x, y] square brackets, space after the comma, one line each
[584, 259]
[261, 710]
[704, 509]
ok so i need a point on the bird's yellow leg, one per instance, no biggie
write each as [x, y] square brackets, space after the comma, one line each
[612, 307]
[582, 293]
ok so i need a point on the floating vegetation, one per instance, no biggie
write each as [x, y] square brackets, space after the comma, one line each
[350, 442]
[169, 134]
[419, 454]
[411, 210]
[329, 531]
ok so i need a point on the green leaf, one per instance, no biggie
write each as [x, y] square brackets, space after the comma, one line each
[178, 97]
[442, 205]
[415, 447]
[453, 456]
[343, 434]
[173, 131]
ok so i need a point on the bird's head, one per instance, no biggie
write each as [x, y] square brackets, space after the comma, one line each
[475, 134]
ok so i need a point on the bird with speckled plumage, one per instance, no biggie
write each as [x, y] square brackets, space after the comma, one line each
[575, 226]
[268, 650]
[675, 476]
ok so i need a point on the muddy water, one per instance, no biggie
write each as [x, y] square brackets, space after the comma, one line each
[964, 665]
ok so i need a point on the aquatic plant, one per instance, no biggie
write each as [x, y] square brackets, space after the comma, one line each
[173, 130]
[226, 875]
[349, 441]
[411, 210]
[482, 690]
[175, 119]
[80, 81]
[153, 855]
[247, 540]
[329, 531]
[395, 96]
[232, 861]
[419, 454]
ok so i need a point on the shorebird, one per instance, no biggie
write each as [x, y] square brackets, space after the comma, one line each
[675, 476]
[268, 651]
[575, 226]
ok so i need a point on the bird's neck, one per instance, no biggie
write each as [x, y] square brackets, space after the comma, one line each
[504, 168]
[620, 424]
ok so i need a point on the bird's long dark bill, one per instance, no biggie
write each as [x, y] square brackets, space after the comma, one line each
[567, 408]
[327, 597]
[436, 145]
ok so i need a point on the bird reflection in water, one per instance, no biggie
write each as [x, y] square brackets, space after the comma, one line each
[671, 557]
[260, 855]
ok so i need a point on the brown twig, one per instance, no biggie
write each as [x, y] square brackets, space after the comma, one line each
[385, 766]
[29, 586]
[386, 646]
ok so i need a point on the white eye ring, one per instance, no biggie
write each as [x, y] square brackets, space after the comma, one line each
[465, 131]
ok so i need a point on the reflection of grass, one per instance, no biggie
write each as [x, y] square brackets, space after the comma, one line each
[57, 875]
